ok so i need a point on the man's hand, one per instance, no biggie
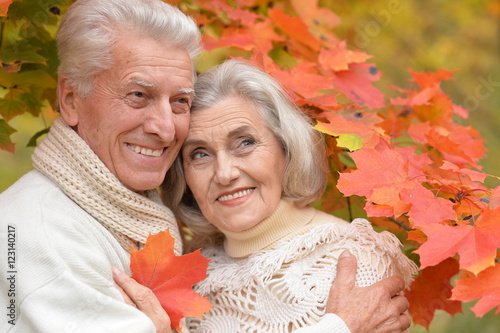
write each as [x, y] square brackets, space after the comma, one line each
[143, 299]
[376, 309]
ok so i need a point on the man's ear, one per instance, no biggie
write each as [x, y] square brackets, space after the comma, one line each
[68, 104]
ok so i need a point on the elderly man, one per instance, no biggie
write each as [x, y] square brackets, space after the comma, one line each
[125, 88]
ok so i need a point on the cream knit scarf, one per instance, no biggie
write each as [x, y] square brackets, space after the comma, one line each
[66, 159]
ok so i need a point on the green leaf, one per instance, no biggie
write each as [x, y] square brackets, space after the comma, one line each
[33, 100]
[350, 141]
[32, 142]
[5, 132]
[35, 11]
[9, 108]
[21, 52]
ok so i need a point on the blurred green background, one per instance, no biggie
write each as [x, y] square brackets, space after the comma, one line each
[400, 34]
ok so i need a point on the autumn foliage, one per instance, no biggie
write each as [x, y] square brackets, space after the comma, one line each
[171, 277]
[406, 163]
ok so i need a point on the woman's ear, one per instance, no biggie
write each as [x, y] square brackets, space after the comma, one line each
[67, 100]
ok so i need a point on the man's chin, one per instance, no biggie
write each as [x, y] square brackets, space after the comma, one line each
[140, 184]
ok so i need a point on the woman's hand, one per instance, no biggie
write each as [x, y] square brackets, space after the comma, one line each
[143, 299]
[375, 309]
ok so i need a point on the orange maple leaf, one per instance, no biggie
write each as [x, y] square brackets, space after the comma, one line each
[321, 21]
[4, 7]
[358, 123]
[485, 286]
[340, 57]
[431, 291]
[476, 244]
[295, 28]
[171, 277]
[428, 79]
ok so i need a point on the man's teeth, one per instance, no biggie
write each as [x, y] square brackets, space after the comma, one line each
[144, 151]
[235, 195]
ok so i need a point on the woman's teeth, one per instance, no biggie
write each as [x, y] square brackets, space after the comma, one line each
[235, 195]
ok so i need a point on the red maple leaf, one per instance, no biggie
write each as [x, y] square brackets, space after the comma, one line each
[355, 83]
[485, 286]
[295, 78]
[431, 291]
[476, 244]
[171, 277]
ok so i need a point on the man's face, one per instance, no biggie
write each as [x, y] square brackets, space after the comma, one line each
[137, 116]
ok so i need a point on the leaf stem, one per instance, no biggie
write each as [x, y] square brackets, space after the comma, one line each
[349, 207]
[400, 224]
[1, 33]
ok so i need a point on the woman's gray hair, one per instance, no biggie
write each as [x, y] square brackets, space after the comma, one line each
[89, 28]
[306, 174]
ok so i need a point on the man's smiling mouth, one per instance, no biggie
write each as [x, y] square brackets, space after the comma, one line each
[145, 151]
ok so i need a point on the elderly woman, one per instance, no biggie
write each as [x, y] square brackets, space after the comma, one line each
[252, 163]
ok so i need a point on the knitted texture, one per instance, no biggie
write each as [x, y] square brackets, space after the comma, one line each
[286, 287]
[65, 158]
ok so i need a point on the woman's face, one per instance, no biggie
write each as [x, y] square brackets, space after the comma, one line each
[233, 164]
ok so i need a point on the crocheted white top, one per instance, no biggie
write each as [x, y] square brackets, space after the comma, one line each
[285, 287]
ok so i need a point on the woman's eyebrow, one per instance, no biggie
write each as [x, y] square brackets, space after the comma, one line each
[196, 142]
[239, 130]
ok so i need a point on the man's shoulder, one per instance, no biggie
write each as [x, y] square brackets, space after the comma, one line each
[33, 184]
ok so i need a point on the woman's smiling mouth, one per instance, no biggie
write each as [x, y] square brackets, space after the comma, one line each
[236, 195]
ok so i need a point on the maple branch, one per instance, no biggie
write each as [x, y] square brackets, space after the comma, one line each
[400, 224]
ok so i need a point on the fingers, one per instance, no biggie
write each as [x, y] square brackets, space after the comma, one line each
[346, 271]
[401, 303]
[139, 295]
[393, 284]
[142, 298]
[125, 296]
[404, 321]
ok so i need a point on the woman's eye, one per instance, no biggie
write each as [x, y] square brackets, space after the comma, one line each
[197, 155]
[247, 142]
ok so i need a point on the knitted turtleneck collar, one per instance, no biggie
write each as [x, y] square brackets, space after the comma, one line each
[286, 222]
[65, 158]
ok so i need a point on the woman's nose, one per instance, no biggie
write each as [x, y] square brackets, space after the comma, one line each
[226, 169]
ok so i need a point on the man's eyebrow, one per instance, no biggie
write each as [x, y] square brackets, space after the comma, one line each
[142, 83]
[186, 90]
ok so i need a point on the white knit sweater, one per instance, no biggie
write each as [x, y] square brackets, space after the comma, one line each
[63, 280]
[285, 286]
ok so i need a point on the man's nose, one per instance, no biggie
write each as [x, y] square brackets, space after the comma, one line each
[160, 121]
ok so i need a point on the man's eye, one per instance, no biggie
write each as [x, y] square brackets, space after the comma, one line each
[138, 94]
[183, 100]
